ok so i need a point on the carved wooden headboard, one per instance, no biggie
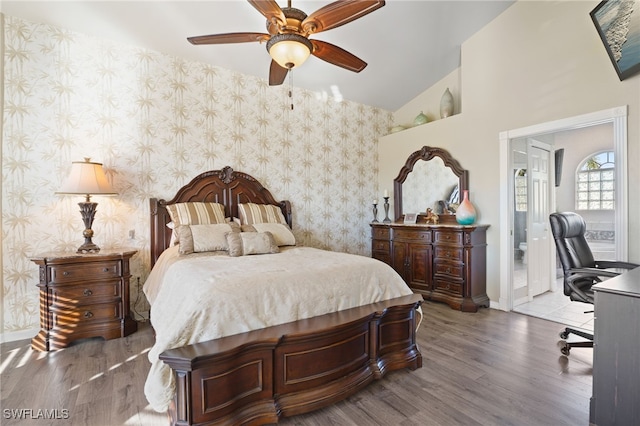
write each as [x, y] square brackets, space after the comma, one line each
[225, 186]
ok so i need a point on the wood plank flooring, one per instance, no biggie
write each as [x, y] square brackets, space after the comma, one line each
[488, 368]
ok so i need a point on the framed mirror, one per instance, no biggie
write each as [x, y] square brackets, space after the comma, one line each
[429, 176]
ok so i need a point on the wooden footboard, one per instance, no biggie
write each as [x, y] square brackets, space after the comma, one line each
[260, 376]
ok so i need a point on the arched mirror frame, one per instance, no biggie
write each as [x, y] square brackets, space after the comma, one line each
[426, 153]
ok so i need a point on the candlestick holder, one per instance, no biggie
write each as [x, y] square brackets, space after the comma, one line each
[386, 210]
[375, 213]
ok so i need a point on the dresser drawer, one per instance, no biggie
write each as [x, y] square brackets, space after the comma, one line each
[84, 294]
[449, 270]
[383, 257]
[380, 233]
[83, 271]
[448, 286]
[378, 245]
[449, 253]
[448, 237]
[412, 235]
[85, 314]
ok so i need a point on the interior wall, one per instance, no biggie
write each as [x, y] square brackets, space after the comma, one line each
[157, 121]
[428, 102]
[580, 144]
[537, 62]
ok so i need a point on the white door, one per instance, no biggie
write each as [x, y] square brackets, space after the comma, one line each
[538, 232]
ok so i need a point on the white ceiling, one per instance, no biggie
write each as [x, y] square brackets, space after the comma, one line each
[408, 44]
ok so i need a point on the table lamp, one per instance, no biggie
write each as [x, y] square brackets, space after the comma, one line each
[87, 178]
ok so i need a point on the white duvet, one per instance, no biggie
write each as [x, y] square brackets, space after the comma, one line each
[204, 296]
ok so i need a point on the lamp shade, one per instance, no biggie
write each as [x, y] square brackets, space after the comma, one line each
[87, 178]
[289, 50]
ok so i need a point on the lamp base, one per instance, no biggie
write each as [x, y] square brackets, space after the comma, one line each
[88, 248]
[88, 211]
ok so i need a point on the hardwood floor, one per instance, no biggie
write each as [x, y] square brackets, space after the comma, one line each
[487, 368]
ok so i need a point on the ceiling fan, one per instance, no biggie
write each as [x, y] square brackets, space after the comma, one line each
[289, 29]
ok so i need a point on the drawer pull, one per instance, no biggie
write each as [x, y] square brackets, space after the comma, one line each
[105, 270]
[66, 273]
[88, 314]
[87, 292]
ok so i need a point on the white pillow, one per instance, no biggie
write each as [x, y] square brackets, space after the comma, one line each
[281, 233]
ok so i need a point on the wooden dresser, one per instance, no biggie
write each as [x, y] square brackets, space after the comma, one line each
[444, 263]
[83, 295]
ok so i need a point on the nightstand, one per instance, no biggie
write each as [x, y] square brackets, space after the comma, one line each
[83, 295]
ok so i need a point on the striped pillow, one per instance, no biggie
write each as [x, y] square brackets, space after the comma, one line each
[251, 213]
[196, 213]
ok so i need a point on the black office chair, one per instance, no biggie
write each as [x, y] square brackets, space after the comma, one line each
[581, 271]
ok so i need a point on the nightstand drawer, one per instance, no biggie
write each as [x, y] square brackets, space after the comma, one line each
[83, 271]
[85, 314]
[448, 237]
[84, 294]
[447, 253]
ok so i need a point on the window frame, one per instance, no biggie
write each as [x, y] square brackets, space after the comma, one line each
[596, 195]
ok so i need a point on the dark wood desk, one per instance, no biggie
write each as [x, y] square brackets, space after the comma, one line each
[616, 356]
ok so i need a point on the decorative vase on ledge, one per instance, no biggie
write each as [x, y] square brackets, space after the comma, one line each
[420, 119]
[466, 213]
[446, 104]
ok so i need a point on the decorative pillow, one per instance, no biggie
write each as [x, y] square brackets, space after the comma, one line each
[251, 213]
[201, 238]
[174, 235]
[246, 243]
[196, 213]
[281, 233]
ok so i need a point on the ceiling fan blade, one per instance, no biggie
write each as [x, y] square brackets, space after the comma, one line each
[339, 13]
[277, 74]
[337, 56]
[270, 10]
[229, 38]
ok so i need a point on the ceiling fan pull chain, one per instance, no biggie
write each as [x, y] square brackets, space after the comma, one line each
[291, 88]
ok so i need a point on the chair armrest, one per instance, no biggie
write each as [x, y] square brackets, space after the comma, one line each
[591, 272]
[615, 264]
[588, 279]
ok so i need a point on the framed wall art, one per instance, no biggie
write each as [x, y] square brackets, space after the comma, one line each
[618, 24]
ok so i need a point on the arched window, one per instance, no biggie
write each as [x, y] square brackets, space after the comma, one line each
[595, 180]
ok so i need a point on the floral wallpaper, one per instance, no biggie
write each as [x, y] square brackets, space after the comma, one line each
[155, 122]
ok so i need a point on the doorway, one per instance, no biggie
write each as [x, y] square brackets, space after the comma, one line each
[508, 141]
[531, 182]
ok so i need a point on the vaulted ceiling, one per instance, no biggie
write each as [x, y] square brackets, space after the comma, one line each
[408, 44]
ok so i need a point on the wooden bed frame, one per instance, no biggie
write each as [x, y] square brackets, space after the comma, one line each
[289, 369]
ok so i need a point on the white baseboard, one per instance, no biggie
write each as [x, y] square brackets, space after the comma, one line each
[18, 335]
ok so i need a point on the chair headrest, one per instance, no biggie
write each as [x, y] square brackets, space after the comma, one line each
[567, 225]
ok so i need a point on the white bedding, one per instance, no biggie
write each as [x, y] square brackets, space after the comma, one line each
[204, 296]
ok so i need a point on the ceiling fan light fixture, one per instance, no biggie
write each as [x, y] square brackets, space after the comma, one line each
[289, 50]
